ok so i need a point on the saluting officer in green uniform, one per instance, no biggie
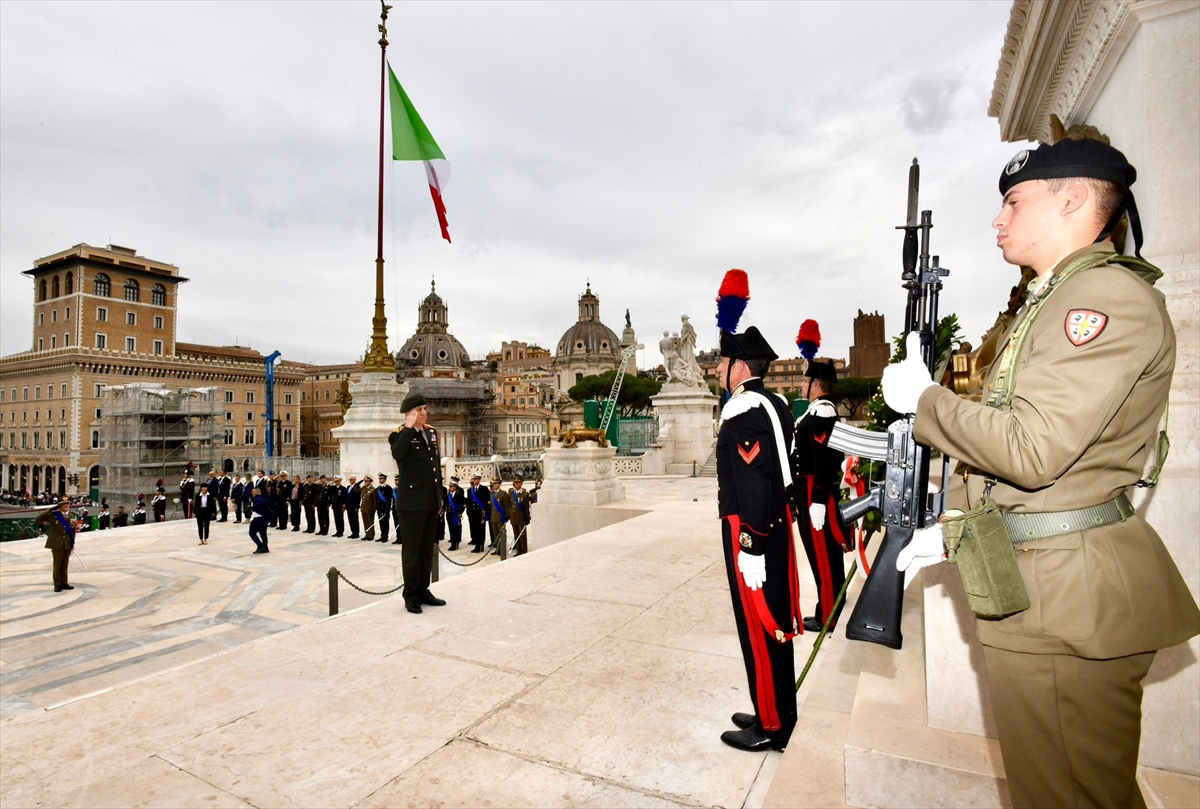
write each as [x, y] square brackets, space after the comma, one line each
[1069, 419]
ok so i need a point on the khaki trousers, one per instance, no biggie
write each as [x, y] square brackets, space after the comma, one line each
[1069, 727]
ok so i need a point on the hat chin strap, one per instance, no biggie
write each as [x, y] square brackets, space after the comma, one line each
[1128, 207]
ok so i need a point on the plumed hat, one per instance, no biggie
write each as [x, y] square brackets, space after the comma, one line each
[822, 371]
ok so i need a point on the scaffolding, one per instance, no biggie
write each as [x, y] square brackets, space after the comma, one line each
[150, 432]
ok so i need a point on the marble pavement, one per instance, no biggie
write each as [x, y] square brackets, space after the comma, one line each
[596, 671]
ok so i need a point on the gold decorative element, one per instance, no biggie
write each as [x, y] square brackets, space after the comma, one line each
[383, 25]
[344, 397]
[570, 437]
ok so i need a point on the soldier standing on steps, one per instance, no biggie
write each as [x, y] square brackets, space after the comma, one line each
[753, 474]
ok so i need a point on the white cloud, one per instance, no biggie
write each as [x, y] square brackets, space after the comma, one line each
[648, 147]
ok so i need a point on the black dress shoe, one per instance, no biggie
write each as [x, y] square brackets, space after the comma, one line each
[58, 589]
[68, 587]
[382, 540]
[413, 607]
[367, 539]
[297, 528]
[337, 535]
[432, 600]
[814, 624]
[751, 739]
[352, 536]
[395, 542]
[259, 550]
[744, 720]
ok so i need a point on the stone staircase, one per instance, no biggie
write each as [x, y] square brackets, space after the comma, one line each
[709, 469]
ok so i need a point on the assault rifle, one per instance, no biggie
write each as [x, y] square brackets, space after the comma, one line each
[903, 500]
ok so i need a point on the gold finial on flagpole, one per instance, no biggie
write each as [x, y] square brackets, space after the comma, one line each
[378, 358]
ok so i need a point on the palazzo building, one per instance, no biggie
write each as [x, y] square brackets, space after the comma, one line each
[106, 317]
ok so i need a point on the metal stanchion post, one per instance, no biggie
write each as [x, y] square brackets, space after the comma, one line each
[435, 571]
[333, 591]
[693, 469]
[503, 543]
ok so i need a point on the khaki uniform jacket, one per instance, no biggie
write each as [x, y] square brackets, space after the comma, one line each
[57, 538]
[1082, 423]
[506, 508]
[521, 512]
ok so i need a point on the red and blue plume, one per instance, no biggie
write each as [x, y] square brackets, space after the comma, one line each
[808, 340]
[732, 298]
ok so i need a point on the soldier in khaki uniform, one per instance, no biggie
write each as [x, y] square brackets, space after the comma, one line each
[60, 539]
[520, 514]
[367, 507]
[1068, 423]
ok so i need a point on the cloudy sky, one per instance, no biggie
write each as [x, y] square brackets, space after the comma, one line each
[645, 146]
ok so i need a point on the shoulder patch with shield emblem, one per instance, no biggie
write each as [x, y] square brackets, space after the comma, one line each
[1084, 325]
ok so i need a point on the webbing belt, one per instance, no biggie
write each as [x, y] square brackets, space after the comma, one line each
[1028, 527]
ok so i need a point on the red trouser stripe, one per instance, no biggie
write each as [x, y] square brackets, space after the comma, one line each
[821, 552]
[764, 680]
[794, 574]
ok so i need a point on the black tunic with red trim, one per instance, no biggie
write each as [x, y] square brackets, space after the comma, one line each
[755, 519]
[818, 470]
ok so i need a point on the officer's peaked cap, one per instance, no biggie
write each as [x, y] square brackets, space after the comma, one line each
[1085, 157]
[749, 345]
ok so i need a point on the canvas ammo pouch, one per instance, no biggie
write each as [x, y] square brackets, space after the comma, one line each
[979, 544]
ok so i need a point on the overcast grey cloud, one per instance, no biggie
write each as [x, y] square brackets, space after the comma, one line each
[647, 147]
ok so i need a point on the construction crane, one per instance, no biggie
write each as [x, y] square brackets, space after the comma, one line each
[610, 404]
[271, 403]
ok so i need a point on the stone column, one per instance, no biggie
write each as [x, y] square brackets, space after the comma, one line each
[373, 414]
[581, 475]
[685, 426]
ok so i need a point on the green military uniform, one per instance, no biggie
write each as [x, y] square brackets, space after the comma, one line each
[1065, 675]
[520, 515]
[367, 507]
[59, 541]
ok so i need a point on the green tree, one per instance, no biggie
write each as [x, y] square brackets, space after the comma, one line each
[854, 391]
[634, 397]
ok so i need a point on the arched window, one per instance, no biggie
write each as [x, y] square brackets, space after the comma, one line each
[102, 286]
[54, 287]
[42, 290]
[132, 291]
[70, 283]
[158, 295]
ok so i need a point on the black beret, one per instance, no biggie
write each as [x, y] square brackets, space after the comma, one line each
[1086, 157]
[749, 345]
[412, 400]
[822, 371]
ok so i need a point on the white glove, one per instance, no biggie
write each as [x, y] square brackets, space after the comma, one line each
[924, 549]
[904, 382]
[754, 570]
[816, 513]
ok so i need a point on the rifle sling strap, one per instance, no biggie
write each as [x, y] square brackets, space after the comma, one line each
[1004, 384]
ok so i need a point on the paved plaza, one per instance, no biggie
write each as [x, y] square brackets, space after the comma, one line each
[599, 670]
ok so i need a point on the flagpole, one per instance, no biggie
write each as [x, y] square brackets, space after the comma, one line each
[378, 358]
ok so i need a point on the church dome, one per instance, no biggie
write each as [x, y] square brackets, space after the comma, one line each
[432, 345]
[588, 336]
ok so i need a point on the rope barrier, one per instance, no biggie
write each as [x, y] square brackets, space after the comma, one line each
[482, 556]
[342, 576]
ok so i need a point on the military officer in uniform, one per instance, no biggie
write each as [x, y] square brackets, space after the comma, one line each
[367, 501]
[418, 500]
[60, 539]
[324, 503]
[383, 506]
[308, 499]
[753, 474]
[352, 502]
[817, 468]
[478, 509]
[283, 500]
[500, 505]
[521, 514]
[456, 504]
[1071, 411]
[224, 482]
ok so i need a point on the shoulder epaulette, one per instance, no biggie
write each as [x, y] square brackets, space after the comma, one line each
[740, 404]
[823, 409]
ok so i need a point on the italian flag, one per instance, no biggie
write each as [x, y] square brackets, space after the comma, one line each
[411, 141]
